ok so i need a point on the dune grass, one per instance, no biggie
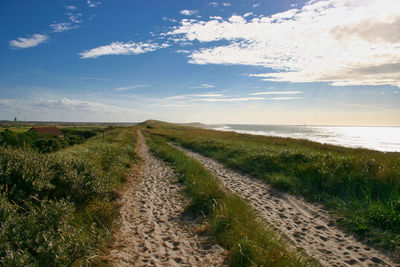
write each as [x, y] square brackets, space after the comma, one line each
[230, 219]
[360, 187]
[57, 209]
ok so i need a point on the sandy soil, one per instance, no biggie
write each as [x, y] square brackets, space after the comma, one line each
[153, 231]
[307, 225]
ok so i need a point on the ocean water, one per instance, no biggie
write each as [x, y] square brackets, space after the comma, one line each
[377, 138]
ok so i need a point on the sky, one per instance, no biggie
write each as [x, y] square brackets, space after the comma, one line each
[318, 62]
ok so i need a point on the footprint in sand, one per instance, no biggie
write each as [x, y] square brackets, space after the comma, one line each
[147, 237]
[307, 225]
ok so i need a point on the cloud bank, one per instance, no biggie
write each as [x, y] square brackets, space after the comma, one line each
[342, 42]
[66, 109]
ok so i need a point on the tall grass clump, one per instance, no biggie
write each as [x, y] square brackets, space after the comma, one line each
[360, 187]
[230, 219]
[56, 209]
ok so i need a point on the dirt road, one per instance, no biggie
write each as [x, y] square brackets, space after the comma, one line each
[153, 231]
[307, 225]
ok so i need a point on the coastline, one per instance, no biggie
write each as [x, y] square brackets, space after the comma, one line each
[359, 137]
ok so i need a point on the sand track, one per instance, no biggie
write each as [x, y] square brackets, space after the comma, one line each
[307, 225]
[153, 230]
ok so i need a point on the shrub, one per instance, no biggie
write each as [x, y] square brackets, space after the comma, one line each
[54, 208]
[43, 234]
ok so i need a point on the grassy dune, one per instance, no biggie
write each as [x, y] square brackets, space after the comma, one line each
[359, 187]
[230, 219]
[56, 209]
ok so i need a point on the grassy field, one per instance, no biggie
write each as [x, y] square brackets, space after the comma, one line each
[230, 219]
[57, 209]
[21, 137]
[361, 188]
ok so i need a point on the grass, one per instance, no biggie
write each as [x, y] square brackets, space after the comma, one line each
[360, 187]
[47, 143]
[57, 209]
[21, 129]
[230, 219]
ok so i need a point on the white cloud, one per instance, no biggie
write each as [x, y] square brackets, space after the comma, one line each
[284, 98]
[209, 95]
[62, 27]
[66, 109]
[234, 99]
[75, 18]
[86, 78]
[256, 5]
[367, 107]
[187, 12]
[32, 41]
[342, 42]
[213, 98]
[8, 102]
[182, 51]
[67, 26]
[277, 93]
[171, 105]
[119, 48]
[219, 97]
[70, 7]
[189, 97]
[131, 87]
[67, 104]
[169, 19]
[216, 4]
[184, 43]
[92, 3]
[204, 85]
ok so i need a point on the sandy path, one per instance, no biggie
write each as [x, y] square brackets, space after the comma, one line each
[307, 225]
[153, 231]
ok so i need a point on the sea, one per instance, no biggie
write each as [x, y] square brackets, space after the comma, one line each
[385, 139]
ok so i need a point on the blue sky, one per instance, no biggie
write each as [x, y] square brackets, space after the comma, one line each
[327, 62]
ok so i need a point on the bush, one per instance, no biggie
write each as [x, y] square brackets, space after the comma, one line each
[45, 143]
[54, 207]
[43, 234]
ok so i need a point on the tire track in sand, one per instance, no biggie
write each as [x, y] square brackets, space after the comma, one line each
[307, 225]
[153, 231]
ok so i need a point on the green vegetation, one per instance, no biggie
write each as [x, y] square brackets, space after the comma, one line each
[18, 129]
[56, 209]
[45, 143]
[360, 187]
[230, 219]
